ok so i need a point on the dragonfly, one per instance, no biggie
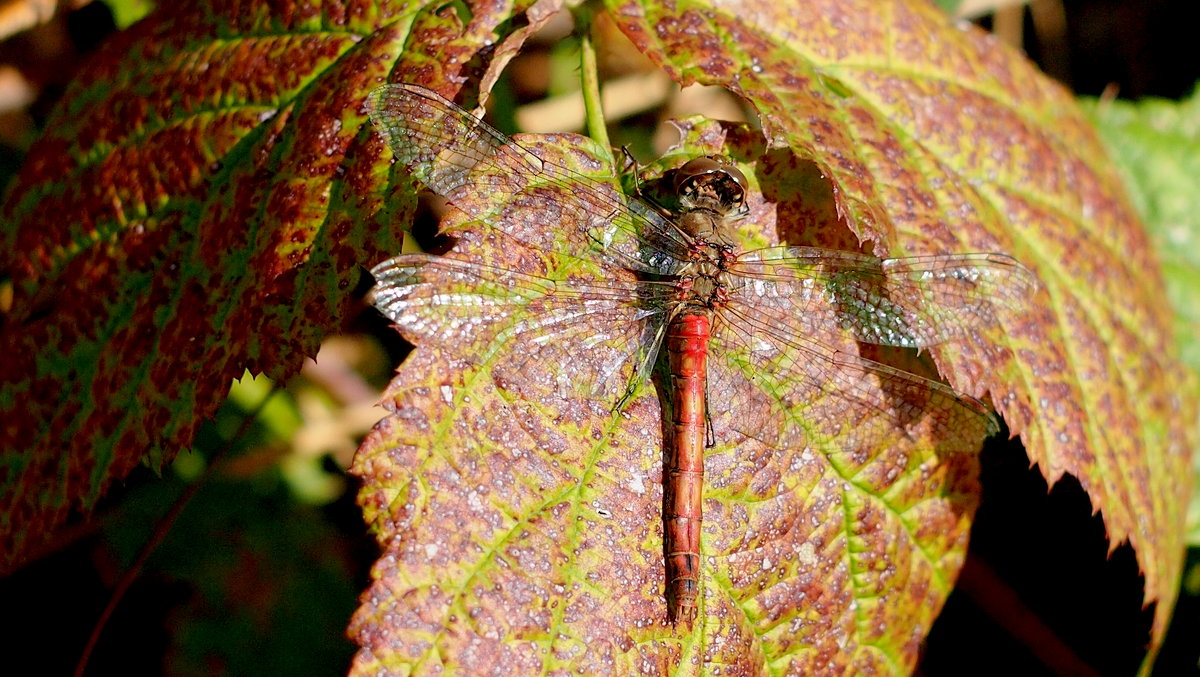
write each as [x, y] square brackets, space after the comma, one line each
[677, 283]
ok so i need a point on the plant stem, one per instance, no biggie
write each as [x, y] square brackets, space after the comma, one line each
[597, 128]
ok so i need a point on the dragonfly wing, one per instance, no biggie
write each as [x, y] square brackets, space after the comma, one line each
[547, 206]
[804, 392]
[911, 302]
[538, 336]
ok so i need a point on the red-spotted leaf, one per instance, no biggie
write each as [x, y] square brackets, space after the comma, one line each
[519, 491]
[200, 205]
[937, 139]
[1157, 145]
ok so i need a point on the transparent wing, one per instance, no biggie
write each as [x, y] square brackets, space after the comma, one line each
[910, 302]
[546, 206]
[792, 390]
[592, 338]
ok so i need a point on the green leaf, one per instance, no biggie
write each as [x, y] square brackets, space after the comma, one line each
[128, 12]
[948, 6]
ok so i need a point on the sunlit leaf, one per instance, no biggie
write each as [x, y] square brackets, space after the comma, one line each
[937, 138]
[522, 517]
[1157, 146]
[126, 12]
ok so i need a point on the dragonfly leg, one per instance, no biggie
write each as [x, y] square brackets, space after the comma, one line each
[710, 438]
[632, 166]
[629, 392]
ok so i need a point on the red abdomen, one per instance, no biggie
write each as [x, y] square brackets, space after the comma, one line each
[687, 346]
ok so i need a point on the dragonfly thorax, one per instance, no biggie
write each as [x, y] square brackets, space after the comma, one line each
[702, 293]
[708, 230]
[703, 286]
[712, 192]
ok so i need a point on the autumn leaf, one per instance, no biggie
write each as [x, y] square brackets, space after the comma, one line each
[521, 516]
[939, 139]
[1157, 145]
[208, 188]
[200, 205]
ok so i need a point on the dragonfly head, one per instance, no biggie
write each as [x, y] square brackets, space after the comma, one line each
[711, 182]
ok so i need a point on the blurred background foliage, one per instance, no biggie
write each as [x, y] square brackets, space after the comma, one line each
[261, 570]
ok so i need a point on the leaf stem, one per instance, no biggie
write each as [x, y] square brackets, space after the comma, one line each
[597, 128]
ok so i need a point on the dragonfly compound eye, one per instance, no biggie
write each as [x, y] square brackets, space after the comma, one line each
[711, 179]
